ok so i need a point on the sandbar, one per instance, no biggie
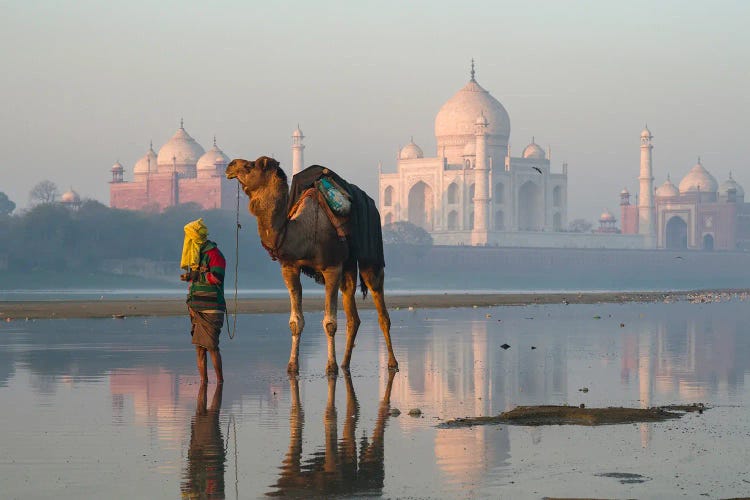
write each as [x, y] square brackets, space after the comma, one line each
[117, 308]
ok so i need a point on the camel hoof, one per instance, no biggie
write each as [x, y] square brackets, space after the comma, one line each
[292, 369]
[345, 367]
[393, 367]
[332, 370]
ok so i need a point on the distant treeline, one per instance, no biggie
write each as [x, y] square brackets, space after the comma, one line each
[51, 238]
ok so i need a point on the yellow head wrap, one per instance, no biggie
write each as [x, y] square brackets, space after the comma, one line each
[196, 233]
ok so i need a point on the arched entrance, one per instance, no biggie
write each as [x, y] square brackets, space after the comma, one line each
[676, 233]
[708, 242]
[557, 222]
[529, 207]
[420, 205]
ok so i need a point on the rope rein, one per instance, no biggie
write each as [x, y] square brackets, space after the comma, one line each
[232, 331]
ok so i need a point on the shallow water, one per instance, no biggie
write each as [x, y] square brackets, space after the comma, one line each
[108, 408]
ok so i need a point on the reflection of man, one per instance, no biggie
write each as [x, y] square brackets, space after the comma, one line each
[205, 266]
[204, 473]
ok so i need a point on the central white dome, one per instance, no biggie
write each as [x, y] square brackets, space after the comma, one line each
[180, 149]
[455, 122]
[698, 179]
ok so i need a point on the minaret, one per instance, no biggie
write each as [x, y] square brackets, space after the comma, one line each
[481, 184]
[646, 225]
[298, 162]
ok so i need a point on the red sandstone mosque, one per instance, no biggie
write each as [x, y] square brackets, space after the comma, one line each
[182, 172]
[699, 214]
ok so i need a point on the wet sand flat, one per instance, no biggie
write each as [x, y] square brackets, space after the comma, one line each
[112, 408]
[174, 307]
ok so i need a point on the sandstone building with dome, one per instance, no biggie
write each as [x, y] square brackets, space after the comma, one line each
[697, 214]
[181, 172]
[473, 192]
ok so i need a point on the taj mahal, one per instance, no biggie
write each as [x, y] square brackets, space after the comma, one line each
[473, 192]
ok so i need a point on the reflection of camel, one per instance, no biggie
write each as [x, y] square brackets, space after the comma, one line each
[309, 240]
[337, 469]
[204, 471]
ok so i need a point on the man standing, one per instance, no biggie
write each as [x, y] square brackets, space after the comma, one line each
[204, 265]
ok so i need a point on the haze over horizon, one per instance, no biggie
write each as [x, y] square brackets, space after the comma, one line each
[89, 83]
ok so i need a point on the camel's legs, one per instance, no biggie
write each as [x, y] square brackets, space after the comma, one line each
[374, 281]
[332, 277]
[296, 318]
[348, 292]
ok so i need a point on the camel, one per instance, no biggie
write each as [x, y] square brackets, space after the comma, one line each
[308, 240]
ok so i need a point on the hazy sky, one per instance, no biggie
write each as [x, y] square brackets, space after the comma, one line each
[87, 83]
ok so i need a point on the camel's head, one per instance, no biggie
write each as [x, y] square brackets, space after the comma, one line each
[253, 173]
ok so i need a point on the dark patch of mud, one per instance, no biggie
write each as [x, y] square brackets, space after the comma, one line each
[574, 415]
[625, 477]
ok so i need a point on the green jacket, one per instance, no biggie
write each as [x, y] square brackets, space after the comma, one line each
[207, 292]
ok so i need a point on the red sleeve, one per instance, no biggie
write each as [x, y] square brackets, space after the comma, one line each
[217, 266]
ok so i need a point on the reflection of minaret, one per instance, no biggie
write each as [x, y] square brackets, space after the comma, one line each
[481, 366]
[298, 162]
[645, 387]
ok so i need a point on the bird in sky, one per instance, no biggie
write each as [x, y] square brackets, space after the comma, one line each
[537, 169]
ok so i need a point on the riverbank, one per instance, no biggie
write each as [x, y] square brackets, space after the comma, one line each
[60, 309]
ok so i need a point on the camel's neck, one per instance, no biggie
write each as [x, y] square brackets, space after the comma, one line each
[269, 205]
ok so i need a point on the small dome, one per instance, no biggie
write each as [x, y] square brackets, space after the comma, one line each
[534, 151]
[470, 149]
[646, 132]
[181, 148]
[731, 184]
[117, 167]
[411, 151]
[147, 164]
[70, 196]
[698, 179]
[624, 192]
[606, 217]
[667, 189]
[212, 158]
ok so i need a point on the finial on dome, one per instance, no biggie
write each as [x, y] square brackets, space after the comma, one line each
[151, 144]
[730, 175]
[214, 140]
[182, 124]
[472, 70]
[668, 178]
[533, 140]
[699, 161]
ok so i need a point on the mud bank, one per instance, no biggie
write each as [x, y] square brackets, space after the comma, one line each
[574, 415]
[52, 309]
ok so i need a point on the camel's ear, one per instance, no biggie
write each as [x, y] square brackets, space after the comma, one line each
[265, 162]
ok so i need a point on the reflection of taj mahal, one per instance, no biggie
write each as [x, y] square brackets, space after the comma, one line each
[473, 191]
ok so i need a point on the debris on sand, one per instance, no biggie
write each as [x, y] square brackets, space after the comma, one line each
[505, 346]
[118, 316]
[574, 415]
[415, 412]
[583, 389]
[395, 412]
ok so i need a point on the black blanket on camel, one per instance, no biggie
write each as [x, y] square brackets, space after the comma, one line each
[366, 236]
